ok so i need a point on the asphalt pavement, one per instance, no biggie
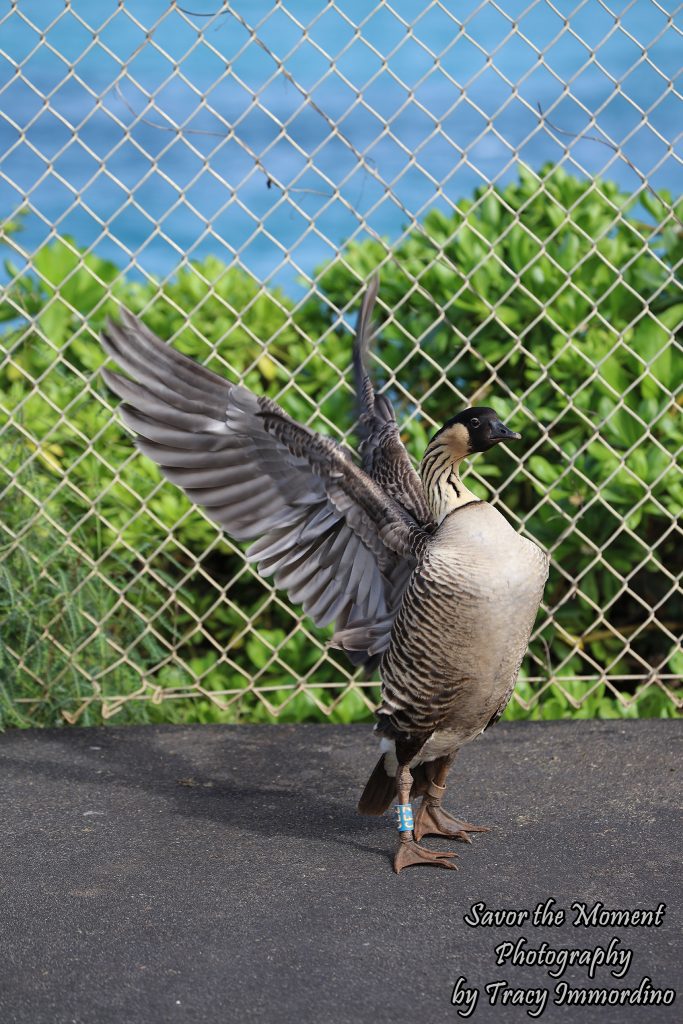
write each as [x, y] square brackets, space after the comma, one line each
[154, 875]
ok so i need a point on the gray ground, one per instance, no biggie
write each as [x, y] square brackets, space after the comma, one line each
[217, 874]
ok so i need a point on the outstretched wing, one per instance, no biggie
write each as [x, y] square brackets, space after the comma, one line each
[326, 532]
[384, 456]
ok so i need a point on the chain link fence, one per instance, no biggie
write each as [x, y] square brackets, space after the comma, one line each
[234, 176]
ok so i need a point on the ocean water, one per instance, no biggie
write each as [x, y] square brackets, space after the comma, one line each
[270, 134]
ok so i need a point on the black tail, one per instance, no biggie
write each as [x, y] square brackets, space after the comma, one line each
[381, 788]
[379, 791]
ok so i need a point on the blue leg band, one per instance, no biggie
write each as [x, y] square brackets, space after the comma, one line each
[404, 817]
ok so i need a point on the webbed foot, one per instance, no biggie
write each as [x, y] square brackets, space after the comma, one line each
[410, 852]
[432, 820]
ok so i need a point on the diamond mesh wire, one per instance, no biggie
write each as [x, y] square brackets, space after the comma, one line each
[269, 138]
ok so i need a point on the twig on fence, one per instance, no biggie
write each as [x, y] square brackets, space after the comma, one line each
[201, 14]
[619, 152]
[548, 660]
[270, 180]
[331, 124]
[623, 632]
[364, 161]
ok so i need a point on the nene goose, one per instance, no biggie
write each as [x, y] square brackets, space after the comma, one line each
[416, 572]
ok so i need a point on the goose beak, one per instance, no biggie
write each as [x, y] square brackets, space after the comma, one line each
[499, 432]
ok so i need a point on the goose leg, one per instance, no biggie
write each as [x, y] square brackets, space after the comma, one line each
[409, 851]
[431, 819]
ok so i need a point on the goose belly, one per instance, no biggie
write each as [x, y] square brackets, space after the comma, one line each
[462, 631]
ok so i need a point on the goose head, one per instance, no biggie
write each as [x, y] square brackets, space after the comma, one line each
[474, 430]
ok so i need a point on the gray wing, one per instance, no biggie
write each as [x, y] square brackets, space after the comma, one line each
[326, 533]
[384, 456]
[386, 461]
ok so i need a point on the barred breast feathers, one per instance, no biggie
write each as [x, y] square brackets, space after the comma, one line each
[463, 627]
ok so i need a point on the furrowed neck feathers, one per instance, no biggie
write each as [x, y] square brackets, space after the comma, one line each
[440, 472]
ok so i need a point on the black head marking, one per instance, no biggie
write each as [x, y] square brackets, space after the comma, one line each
[484, 428]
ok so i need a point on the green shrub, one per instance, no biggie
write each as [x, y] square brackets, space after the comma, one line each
[556, 305]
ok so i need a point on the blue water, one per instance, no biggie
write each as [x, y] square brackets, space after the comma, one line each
[90, 166]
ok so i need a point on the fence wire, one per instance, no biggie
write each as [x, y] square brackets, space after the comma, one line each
[166, 159]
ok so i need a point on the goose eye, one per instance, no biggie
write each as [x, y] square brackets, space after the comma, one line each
[474, 422]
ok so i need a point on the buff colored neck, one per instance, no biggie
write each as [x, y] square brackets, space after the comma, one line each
[440, 473]
[447, 492]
